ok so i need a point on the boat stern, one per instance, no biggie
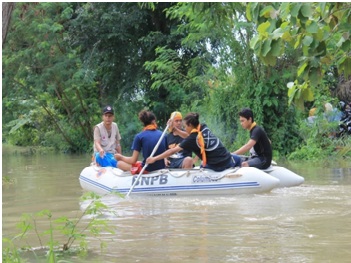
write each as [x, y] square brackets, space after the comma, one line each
[286, 177]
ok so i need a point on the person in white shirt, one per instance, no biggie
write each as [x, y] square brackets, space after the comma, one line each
[107, 141]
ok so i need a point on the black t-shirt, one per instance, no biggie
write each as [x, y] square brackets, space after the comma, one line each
[175, 140]
[216, 154]
[263, 146]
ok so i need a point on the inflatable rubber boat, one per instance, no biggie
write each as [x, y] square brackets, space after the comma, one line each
[197, 181]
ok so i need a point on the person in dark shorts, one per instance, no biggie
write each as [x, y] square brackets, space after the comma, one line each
[258, 144]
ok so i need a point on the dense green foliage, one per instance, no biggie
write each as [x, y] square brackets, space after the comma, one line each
[321, 31]
[47, 99]
[62, 62]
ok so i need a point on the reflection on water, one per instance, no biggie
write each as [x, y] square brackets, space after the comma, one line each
[309, 223]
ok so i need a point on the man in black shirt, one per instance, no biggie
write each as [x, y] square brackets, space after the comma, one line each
[199, 139]
[259, 141]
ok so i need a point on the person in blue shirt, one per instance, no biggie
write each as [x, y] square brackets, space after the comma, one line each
[145, 142]
[331, 114]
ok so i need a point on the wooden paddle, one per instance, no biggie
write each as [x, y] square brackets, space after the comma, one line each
[152, 154]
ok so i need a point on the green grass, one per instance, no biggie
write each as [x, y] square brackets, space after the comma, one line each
[28, 150]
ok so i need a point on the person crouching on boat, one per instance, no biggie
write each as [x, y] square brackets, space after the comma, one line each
[146, 141]
[107, 141]
[204, 144]
[182, 159]
[258, 141]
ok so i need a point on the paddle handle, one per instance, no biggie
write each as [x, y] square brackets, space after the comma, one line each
[152, 154]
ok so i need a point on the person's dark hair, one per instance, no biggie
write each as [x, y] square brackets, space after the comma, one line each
[146, 117]
[247, 114]
[192, 118]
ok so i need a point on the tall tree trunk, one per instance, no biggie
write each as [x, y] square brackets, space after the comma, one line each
[6, 17]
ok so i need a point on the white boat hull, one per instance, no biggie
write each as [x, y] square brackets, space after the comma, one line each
[286, 177]
[245, 180]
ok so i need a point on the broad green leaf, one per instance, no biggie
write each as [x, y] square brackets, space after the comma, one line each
[262, 28]
[345, 67]
[340, 14]
[267, 102]
[321, 7]
[277, 33]
[321, 49]
[326, 59]
[269, 60]
[307, 40]
[341, 60]
[346, 46]
[297, 94]
[295, 9]
[253, 41]
[248, 11]
[284, 10]
[298, 41]
[305, 51]
[307, 94]
[67, 13]
[257, 48]
[299, 102]
[314, 76]
[340, 42]
[252, 11]
[320, 34]
[301, 69]
[286, 36]
[306, 10]
[311, 27]
[291, 94]
[276, 47]
[315, 62]
[56, 27]
[266, 11]
[272, 26]
[285, 25]
[266, 47]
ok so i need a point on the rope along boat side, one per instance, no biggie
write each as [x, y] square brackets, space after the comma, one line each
[245, 180]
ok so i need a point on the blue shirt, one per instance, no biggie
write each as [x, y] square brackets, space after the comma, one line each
[145, 142]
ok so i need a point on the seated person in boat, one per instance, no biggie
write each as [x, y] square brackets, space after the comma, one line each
[204, 144]
[145, 142]
[107, 141]
[182, 159]
[258, 141]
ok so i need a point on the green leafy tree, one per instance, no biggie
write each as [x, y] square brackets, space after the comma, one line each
[42, 72]
[116, 39]
[63, 61]
[319, 31]
[235, 78]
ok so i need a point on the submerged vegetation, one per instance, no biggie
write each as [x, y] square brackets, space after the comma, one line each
[63, 61]
[50, 232]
